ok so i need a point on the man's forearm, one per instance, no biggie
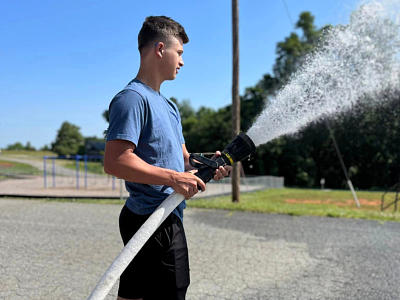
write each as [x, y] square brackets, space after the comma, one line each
[131, 167]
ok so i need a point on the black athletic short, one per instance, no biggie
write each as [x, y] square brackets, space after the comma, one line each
[161, 268]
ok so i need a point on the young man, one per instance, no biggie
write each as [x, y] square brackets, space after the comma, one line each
[146, 148]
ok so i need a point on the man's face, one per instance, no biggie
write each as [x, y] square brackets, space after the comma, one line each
[172, 58]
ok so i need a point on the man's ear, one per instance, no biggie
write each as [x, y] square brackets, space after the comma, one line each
[160, 48]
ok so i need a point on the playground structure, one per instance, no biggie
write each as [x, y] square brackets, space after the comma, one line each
[63, 177]
[57, 178]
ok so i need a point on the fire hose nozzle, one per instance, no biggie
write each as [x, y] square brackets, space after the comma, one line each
[240, 148]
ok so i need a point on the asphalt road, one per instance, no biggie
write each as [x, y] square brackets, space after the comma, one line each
[52, 250]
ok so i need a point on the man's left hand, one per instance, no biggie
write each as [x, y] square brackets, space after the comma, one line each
[221, 172]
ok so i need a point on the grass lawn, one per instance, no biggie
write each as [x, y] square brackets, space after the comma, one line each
[298, 202]
[92, 166]
[14, 168]
[305, 202]
[28, 154]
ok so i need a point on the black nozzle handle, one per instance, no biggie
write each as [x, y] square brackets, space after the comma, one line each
[206, 173]
[202, 161]
[240, 148]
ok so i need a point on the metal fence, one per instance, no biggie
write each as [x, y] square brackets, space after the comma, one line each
[247, 184]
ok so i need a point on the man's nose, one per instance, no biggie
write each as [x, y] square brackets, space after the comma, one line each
[181, 63]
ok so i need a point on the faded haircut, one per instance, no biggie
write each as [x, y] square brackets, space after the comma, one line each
[160, 29]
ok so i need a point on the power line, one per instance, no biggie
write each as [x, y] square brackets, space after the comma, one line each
[287, 12]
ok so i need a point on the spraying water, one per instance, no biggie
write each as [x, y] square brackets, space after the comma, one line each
[354, 62]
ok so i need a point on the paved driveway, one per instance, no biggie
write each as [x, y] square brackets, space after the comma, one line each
[51, 250]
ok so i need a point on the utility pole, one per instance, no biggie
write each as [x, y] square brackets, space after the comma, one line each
[235, 175]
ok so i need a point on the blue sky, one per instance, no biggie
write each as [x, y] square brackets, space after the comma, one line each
[65, 60]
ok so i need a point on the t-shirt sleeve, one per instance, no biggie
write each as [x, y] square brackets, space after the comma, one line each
[126, 117]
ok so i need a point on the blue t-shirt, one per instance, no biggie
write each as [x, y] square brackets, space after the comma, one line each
[146, 118]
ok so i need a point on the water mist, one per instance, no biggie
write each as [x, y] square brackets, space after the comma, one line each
[353, 62]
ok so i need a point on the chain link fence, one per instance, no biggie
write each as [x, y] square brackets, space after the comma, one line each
[247, 184]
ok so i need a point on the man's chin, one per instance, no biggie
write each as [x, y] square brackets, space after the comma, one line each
[172, 77]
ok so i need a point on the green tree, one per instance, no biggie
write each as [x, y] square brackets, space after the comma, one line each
[106, 115]
[29, 147]
[15, 146]
[185, 108]
[45, 148]
[68, 139]
[291, 52]
[89, 142]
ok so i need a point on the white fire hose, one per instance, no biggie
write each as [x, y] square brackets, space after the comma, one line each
[127, 254]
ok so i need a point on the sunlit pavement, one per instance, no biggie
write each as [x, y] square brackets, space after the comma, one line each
[52, 250]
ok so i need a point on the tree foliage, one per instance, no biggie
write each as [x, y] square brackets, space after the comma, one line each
[18, 146]
[106, 115]
[68, 139]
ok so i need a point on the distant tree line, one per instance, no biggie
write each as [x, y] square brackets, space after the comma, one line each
[19, 146]
[68, 141]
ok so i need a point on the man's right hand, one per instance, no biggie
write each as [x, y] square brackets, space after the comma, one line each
[186, 183]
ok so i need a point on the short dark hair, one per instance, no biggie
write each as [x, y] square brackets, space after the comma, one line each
[160, 28]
